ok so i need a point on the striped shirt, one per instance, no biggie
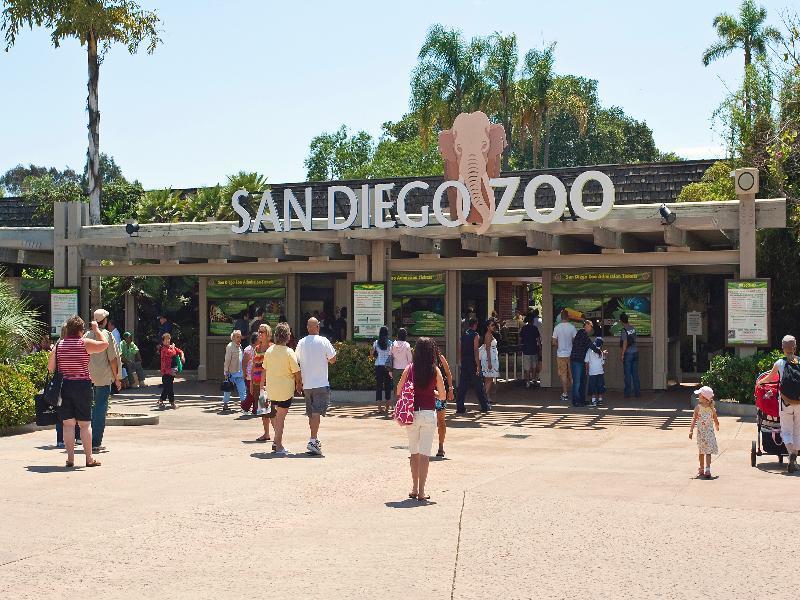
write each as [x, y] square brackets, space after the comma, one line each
[72, 358]
[258, 362]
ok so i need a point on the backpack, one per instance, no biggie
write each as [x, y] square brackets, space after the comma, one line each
[790, 382]
[404, 407]
[631, 337]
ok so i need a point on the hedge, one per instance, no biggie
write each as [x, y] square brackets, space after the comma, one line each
[34, 367]
[734, 378]
[353, 370]
[16, 398]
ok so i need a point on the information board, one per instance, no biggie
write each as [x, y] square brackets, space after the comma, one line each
[747, 312]
[694, 323]
[63, 305]
[369, 309]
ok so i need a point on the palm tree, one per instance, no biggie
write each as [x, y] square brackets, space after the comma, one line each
[96, 24]
[748, 33]
[543, 96]
[500, 74]
[20, 327]
[447, 80]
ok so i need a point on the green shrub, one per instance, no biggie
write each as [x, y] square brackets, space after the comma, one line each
[34, 367]
[16, 398]
[734, 378]
[353, 370]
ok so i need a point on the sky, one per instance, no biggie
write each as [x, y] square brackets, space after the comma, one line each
[245, 84]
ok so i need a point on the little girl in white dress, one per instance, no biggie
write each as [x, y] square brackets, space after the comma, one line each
[705, 419]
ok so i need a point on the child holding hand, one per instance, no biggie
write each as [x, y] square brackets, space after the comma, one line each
[705, 418]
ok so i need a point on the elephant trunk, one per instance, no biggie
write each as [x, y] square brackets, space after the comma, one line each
[473, 168]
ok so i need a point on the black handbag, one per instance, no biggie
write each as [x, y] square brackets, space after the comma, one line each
[45, 414]
[226, 386]
[52, 389]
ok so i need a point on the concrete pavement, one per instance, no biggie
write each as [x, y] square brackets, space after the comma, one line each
[535, 500]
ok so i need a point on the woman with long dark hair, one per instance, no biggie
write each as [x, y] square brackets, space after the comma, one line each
[428, 386]
[381, 353]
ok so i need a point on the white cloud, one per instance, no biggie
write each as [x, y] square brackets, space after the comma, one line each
[693, 152]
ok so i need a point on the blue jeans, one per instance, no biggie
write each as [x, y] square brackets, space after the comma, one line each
[467, 379]
[99, 410]
[237, 379]
[577, 367]
[630, 364]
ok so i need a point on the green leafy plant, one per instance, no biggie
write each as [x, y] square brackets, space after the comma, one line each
[19, 324]
[734, 378]
[34, 367]
[353, 370]
[17, 406]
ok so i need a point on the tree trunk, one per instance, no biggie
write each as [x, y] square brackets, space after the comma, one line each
[93, 154]
[546, 152]
[747, 61]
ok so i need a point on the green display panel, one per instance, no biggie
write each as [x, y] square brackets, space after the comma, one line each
[418, 303]
[233, 300]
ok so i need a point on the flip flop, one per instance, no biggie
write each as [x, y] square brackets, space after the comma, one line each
[70, 465]
[412, 495]
[94, 463]
[262, 439]
[423, 498]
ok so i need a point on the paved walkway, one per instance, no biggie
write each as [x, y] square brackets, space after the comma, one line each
[535, 500]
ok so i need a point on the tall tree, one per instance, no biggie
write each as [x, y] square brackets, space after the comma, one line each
[500, 73]
[748, 32]
[96, 24]
[448, 79]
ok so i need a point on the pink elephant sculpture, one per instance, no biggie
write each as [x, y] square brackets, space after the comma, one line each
[471, 150]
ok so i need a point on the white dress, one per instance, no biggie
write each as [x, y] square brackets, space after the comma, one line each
[495, 371]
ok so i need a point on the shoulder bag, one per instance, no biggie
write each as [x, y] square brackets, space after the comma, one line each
[52, 388]
[404, 407]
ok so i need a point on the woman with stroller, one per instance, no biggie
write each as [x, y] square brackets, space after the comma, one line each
[788, 369]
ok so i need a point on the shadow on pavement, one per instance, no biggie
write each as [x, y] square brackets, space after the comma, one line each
[272, 455]
[408, 503]
[47, 468]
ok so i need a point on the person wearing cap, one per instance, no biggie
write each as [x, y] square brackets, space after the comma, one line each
[104, 369]
[132, 360]
[705, 418]
[789, 406]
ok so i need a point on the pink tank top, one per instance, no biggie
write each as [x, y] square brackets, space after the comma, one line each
[73, 360]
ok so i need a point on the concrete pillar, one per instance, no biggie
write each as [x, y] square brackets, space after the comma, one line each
[59, 249]
[380, 249]
[547, 331]
[659, 328]
[202, 313]
[452, 313]
[341, 294]
[292, 303]
[349, 304]
[130, 313]
[362, 268]
[747, 235]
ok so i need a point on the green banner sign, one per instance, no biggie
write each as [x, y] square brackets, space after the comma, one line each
[417, 277]
[246, 287]
[577, 283]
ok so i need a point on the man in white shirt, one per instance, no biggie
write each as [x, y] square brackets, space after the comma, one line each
[314, 353]
[563, 334]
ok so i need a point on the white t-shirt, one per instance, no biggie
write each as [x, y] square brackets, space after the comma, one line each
[595, 362]
[313, 352]
[564, 333]
[401, 354]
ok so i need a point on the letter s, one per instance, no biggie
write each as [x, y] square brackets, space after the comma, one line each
[236, 203]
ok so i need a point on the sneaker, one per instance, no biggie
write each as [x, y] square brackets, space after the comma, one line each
[564, 397]
[707, 474]
[314, 447]
[60, 445]
[98, 448]
[78, 443]
[440, 453]
[225, 408]
[282, 452]
[792, 466]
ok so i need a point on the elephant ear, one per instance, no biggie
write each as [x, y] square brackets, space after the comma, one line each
[497, 143]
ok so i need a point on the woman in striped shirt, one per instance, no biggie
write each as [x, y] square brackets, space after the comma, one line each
[72, 355]
[259, 349]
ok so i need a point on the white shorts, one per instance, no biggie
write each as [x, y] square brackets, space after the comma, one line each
[421, 431]
[529, 361]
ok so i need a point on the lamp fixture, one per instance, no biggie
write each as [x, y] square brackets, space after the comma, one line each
[132, 228]
[667, 216]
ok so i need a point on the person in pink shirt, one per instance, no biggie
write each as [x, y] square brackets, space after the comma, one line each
[401, 354]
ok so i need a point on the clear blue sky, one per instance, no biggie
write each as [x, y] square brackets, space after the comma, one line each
[246, 84]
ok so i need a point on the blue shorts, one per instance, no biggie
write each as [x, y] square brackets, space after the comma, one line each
[597, 384]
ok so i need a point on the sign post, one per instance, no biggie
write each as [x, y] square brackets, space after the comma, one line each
[694, 327]
[369, 309]
[747, 304]
[63, 305]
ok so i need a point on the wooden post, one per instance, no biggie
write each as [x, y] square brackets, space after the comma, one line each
[747, 234]
[659, 325]
[452, 320]
[202, 314]
[292, 304]
[547, 330]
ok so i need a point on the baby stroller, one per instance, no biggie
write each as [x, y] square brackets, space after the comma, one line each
[768, 440]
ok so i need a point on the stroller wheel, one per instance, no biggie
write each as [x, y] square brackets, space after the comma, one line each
[753, 455]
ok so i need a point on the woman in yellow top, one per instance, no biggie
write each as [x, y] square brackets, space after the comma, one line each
[283, 381]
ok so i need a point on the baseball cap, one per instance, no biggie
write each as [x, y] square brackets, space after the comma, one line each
[100, 314]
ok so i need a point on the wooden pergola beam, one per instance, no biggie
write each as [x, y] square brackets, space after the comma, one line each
[302, 247]
[137, 251]
[355, 246]
[26, 257]
[674, 236]
[476, 243]
[103, 252]
[256, 249]
[607, 238]
[198, 250]
[419, 245]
